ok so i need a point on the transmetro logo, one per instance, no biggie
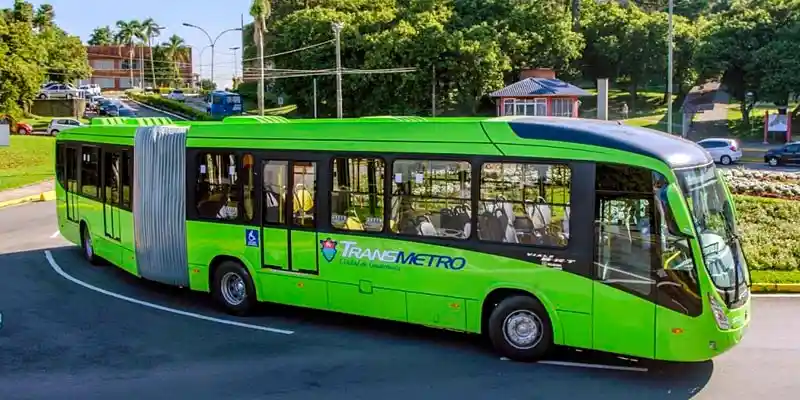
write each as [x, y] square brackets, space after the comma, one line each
[328, 249]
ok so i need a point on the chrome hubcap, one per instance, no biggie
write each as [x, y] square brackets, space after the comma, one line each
[522, 329]
[233, 289]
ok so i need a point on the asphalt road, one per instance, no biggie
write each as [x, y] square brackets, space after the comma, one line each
[142, 111]
[62, 340]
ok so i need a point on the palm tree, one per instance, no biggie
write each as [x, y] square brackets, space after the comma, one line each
[260, 10]
[127, 32]
[175, 51]
[151, 30]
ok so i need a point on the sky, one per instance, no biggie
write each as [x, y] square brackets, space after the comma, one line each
[215, 16]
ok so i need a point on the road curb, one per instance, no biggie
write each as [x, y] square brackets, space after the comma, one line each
[45, 196]
[775, 288]
[158, 109]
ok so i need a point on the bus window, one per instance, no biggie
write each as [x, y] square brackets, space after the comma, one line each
[305, 185]
[90, 172]
[625, 213]
[72, 169]
[357, 195]
[126, 178]
[276, 175]
[431, 198]
[249, 186]
[218, 186]
[524, 203]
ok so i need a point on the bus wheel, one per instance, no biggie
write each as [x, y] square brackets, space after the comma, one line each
[87, 245]
[520, 329]
[233, 288]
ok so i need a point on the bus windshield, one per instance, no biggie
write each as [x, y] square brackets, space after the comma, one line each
[712, 215]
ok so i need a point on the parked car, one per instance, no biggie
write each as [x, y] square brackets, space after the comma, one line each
[60, 91]
[62, 124]
[786, 154]
[177, 95]
[723, 150]
[91, 89]
[18, 127]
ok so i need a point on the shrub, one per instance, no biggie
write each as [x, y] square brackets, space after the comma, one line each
[172, 106]
[770, 232]
[782, 185]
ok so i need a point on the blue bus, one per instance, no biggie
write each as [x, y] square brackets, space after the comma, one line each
[222, 104]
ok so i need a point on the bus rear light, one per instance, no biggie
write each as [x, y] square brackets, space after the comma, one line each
[719, 314]
[677, 331]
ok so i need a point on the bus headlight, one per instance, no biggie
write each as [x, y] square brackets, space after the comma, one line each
[719, 314]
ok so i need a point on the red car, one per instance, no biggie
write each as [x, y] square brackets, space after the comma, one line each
[21, 128]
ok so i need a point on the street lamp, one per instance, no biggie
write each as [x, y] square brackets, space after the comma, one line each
[213, 42]
[337, 30]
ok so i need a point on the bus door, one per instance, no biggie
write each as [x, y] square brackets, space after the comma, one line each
[289, 215]
[624, 293]
[111, 203]
[71, 196]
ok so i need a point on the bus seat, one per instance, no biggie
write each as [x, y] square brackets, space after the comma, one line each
[425, 227]
[353, 224]
[303, 199]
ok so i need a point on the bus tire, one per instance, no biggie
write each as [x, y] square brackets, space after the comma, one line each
[520, 329]
[233, 288]
[87, 245]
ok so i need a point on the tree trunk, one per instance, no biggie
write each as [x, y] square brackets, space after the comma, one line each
[745, 113]
[130, 66]
[152, 63]
[576, 15]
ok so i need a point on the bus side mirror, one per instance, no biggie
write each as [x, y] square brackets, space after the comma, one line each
[679, 221]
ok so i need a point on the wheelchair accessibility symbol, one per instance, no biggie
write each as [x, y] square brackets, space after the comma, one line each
[251, 238]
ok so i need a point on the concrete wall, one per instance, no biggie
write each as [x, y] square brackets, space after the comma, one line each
[59, 108]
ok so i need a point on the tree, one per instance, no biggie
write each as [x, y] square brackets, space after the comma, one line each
[151, 30]
[207, 84]
[102, 36]
[739, 43]
[175, 51]
[260, 10]
[33, 48]
[127, 32]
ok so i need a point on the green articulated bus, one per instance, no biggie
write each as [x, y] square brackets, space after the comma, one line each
[533, 231]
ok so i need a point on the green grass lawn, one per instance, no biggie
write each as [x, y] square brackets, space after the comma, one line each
[29, 159]
[40, 123]
[755, 130]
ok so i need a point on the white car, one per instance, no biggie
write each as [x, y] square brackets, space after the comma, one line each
[91, 89]
[723, 150]
[60, 91]
[176, 95]
[62, 124]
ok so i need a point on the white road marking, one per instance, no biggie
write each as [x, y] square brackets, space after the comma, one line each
[69, 277]
[776, 295]
[53, 236]
[596, 366]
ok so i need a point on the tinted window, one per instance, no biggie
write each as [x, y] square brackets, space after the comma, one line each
[305, 187]
[61, 165]
[126, 179]
[249, 185]
[431, 198]
[524, 203]
[793, 148]
[218, 186]
[624, 214]
[90, 172]
[111, 181]
[71, 164]
[276, 177]
[357, 195]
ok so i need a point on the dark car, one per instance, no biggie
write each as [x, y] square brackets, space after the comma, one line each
[103, 105]
[786, 154]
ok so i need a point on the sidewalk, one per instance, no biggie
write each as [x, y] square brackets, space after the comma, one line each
[28, 193]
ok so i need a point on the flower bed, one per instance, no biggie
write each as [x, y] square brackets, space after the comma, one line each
[781, 185]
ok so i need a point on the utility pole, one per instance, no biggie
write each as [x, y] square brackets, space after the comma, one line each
[337, 30]
[234, 60]
[433, 91]
[669, 72]
[213, 42]
[315, 98]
